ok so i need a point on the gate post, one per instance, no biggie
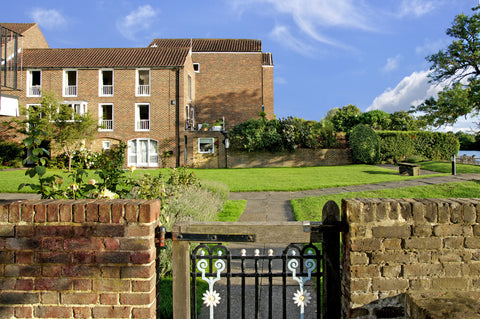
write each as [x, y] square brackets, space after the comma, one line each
[331, 263]
[181, 279]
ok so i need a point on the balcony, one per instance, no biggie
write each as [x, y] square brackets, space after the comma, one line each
[70, 90]
[143, 89]
[107, 90]
[35, 90]
[106, 125]
[143, 125]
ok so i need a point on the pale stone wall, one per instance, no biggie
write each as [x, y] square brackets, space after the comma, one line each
[396, 247]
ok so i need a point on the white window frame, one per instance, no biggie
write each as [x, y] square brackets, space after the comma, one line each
[203, 140]
[197, 70]
[31, 90]
[151, 156]
[101, 86]
[83, 107]
[143, 90]
[142, 125]
[109, 126]
[106, 145]
[70, 90]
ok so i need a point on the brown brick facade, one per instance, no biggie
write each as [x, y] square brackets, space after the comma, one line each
[231, 85]
[234, 82]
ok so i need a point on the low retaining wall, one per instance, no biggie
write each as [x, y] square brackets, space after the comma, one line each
[299, 158]
[404, 246]
[78, 259]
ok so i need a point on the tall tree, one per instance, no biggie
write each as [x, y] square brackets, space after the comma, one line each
[345, 118]
[459, 66]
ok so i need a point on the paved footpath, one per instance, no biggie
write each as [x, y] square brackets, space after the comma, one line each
[275, 206]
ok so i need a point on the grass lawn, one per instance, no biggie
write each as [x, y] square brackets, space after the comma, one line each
[299, 178]
[446, 167]
[310, 208]
[254, 179]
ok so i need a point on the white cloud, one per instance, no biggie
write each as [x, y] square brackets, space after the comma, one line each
[392, 63]
[282, 35]
[411, 91]
[417, 8]
[48, 18]
[312, 18]
[137, 22]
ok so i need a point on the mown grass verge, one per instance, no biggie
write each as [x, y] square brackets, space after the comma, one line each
[253, 179]
[310, 208]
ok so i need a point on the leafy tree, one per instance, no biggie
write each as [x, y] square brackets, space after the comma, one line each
[376, 119]
[458, 64]
[467, 141]
[59, 124]
[345, 118]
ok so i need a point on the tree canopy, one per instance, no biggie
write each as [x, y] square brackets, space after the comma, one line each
[458, 66]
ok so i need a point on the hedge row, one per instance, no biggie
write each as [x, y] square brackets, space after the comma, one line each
[428, 145]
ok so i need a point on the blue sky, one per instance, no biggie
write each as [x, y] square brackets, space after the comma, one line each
[327, 53]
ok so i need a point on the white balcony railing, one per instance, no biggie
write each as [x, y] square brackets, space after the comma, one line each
[106, 125]
[107, 90]
[143, 125]
[71, 90]
[35, 90]
[143, 89]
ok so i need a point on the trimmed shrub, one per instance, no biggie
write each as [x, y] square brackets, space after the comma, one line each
[429, 145]
[365, 145]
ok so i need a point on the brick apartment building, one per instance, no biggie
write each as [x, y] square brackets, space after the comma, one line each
[152, 98]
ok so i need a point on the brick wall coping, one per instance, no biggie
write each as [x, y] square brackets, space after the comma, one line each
[116, 211]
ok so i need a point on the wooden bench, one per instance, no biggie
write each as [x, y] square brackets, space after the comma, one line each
[408, 169]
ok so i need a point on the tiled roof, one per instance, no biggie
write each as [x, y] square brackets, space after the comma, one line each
[17, 27]
[104, 58]
[267, 59]
[211, 45]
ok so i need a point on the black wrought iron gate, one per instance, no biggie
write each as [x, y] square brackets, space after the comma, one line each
[241, 270]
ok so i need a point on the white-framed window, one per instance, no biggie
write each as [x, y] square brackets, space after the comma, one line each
[189, 87]
[142, 117]
[70, 83]
[196, 67]
[142, 82]
[106, 145]
[79, 107]
[34, 83]
[105, 82]
[105, 117]
[143, 152]
[206, 145]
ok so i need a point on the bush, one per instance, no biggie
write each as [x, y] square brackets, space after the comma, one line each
[282, 135]
[11, 153]
[190, 203]
[429, 145]
[365, 145]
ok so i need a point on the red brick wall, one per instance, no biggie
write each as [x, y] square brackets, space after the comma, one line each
[230, 85]
[78, 259]
[33, 39]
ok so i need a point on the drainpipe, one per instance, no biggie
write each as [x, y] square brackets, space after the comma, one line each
[177, 115]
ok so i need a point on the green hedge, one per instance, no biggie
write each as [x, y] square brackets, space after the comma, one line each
[397, 146]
